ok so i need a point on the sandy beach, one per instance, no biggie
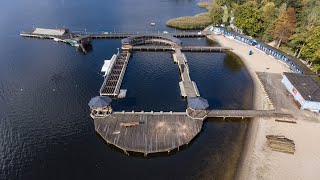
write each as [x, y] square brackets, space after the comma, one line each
[258, 161]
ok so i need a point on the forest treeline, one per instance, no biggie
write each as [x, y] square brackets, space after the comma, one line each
[293, 25]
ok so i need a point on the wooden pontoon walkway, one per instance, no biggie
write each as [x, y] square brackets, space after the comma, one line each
[148, 133]
[112, 82]
[247, 113]
[125, 35]
[183, 49]
[188, 88]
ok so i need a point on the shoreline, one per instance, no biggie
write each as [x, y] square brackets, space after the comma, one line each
[259, 99]
[257, 160]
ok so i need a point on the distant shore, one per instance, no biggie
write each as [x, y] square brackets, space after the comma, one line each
[198, 22]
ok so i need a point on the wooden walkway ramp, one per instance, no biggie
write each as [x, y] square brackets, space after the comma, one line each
[247, 113]
[112, 82]
[147, 132]
[183, 49]
[188, 88]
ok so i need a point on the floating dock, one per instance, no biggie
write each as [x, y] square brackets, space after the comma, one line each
[60, 35]
[153, 132]
[188, 88]
[125, 35]
[247, 113]
[147, 132]
[112, 82]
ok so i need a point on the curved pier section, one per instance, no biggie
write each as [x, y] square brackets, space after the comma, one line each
[147, 132]
[145, 39]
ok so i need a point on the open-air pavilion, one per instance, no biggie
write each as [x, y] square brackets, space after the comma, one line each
[100, 106]
[197, 107]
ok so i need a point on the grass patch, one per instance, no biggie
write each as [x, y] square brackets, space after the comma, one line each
[198, 21]
[205, 5]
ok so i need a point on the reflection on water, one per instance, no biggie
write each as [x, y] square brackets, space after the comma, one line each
[233, 62]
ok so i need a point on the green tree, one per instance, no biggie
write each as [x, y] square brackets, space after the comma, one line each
[297, 41]
[282, 9]
[216, 13]
[269, 15]
[269, 12]
[312, 46]
[311, 14]
[248, 18]
[285, 26]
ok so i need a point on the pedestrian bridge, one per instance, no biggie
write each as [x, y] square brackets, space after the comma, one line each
[146, 39]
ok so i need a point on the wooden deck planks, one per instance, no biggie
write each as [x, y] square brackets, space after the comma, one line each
[162, 132]
[158, 133]
[247, 113]
[188, 88]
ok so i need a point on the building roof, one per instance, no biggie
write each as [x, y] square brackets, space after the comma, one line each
[100, 102]
[307, 85]
[198, 103]
[52, 32]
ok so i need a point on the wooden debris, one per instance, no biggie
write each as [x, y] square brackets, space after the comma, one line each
[130, 124]
[286, 121]
[280, 144]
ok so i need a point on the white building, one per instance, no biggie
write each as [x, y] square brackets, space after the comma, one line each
[305, 89]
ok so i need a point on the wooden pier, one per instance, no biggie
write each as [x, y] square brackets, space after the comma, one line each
[125, 35]
[60, 35]
[147, 132]
[183, 49]
[153, 132]
[112, 82]
[188, 88]
[247, 113]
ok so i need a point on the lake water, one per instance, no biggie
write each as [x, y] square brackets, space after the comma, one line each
[45, 128]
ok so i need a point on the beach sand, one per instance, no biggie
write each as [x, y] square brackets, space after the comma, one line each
[258, 161]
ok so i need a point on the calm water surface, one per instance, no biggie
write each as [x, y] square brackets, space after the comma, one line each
[45, 128]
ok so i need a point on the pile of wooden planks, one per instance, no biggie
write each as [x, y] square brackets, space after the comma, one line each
[130, 124]
[280, 144]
